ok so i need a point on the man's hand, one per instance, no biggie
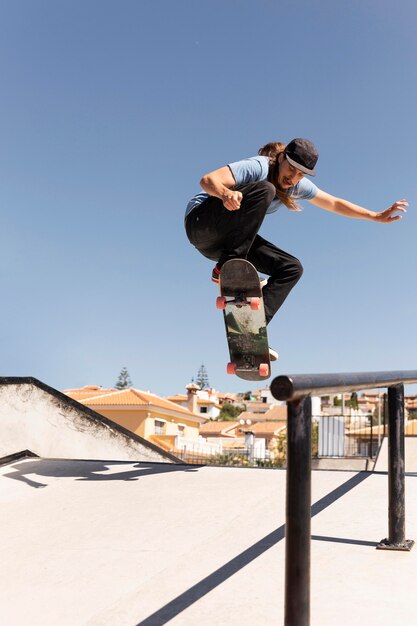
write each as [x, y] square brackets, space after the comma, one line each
[388, 216]
[232, 200]
[218, 184]
[343, 207]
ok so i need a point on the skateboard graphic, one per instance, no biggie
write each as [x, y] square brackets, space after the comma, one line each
[244, 317]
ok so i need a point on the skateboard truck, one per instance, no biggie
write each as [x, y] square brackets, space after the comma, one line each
[239, 301]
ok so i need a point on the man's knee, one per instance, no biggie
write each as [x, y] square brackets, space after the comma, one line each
[261, 189]
[297, 269]
[267, 190]
[289, 271]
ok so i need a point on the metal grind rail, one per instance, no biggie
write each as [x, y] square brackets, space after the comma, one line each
[296, 391]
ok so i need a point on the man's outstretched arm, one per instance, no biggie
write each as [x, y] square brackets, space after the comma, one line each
[348, 209]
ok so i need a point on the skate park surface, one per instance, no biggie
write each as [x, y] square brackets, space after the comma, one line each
[125, 543]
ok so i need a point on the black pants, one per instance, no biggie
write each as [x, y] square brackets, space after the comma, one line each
[221, 235]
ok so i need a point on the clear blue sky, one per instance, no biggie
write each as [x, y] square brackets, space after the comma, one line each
[110, 113]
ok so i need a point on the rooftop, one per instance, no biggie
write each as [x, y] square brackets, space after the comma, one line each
[99, 543]
[112, 398]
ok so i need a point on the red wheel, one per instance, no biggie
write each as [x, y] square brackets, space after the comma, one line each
[231, 368]
[255, 304]
[264, 369]
[221, 302]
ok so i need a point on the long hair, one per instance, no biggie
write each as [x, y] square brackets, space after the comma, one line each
[272, 150]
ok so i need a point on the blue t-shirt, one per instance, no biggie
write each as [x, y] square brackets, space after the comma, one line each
[252, 170]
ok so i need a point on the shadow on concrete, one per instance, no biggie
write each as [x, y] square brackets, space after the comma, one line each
[216, 578]
[356, 542]
[385, 473]
[89, 470]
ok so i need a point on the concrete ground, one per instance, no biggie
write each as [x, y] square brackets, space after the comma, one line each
[91, 543]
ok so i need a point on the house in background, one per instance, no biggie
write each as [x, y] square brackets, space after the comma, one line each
[213, 431]
[260, 431]
[259, 401]
[155, 419]
[273, 414]
[203, 402]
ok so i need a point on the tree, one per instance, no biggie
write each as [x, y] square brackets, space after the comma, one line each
[354, 401]
[229, 412]
[279, 446]
[123, 382]
[202, 378]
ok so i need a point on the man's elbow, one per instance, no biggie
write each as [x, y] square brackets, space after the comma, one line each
[205, 181]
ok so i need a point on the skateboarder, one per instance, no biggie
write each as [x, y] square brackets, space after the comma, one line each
[223, 221]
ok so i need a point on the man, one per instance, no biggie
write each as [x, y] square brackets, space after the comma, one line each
[223, 222]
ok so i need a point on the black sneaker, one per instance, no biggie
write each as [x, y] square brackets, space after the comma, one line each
[215, 277]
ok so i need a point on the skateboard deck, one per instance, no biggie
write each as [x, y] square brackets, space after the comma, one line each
[244, 317]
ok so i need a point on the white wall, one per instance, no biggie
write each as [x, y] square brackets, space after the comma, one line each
[37, 418]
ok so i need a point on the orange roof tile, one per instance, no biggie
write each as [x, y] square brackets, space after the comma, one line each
[277, 412]
[178, 398]
[260, 429]
[119, 397]
[247, 415]
[183, 398]
[213, 428]
[87, 392]
[257, 402]
[127, 397]
[410, 429]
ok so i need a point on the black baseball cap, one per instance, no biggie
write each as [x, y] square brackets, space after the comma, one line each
[302, 154]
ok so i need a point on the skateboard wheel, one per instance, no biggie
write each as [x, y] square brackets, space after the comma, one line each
[255, 304]
[264, 369]
[231, 368]
[221, 302]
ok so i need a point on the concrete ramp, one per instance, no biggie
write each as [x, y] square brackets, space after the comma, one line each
[41, 419]
[410, 443]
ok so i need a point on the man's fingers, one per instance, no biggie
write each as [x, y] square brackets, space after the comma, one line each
[399, 205]
[233, 201]
[397, 208]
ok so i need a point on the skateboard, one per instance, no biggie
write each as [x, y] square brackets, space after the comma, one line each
[244, 317]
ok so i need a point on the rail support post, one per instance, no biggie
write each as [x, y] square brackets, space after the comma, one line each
[396, 473]
[298, 514]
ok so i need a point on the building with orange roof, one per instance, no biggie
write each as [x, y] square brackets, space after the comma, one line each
[268, 430]
[273, 414]
[144, 413]
[219, 429]
[262, 433]
[204, 402]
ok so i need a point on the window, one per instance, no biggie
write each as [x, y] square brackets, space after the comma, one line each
[203, 409]
[181, 430]
[159, 427]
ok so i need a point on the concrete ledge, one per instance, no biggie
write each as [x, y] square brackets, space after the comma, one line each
[17, 456]
[37, 417]
[357, 465]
